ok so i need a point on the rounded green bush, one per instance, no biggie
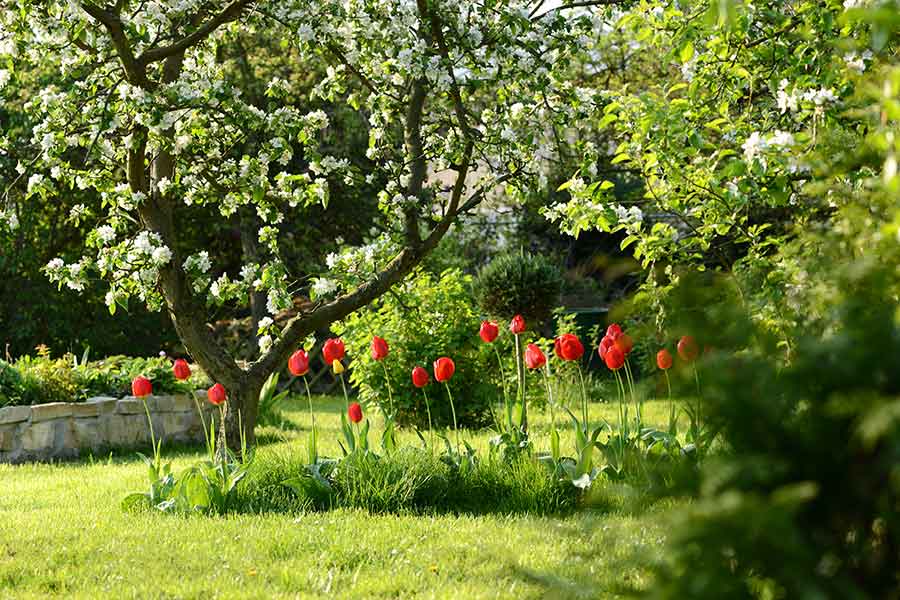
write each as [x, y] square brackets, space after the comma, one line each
[427, 317]
[519, 283]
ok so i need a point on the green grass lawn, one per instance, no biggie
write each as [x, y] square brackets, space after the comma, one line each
[62, 533]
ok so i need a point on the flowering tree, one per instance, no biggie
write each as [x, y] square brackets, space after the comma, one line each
[461, 98]
[732, 125]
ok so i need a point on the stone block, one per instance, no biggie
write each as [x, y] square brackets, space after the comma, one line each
[184, 403]
[14, 414]
[105, 405]
[83, 409]
[8, 437]
[47, 412]
[161, 403]
[39, 437]
[126, 431]
[129, 405]
[87, 434]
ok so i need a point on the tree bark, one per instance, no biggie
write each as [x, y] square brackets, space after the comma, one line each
[250, 248]
[238, 429]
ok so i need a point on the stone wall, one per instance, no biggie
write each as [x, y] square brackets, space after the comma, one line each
[63, 430]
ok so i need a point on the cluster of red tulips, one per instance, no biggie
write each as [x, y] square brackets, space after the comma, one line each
[141, 386]
[613, 349]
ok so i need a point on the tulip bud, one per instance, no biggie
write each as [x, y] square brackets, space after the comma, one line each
[664, 359]
[624, 343]
[379, 348]
[181, 370]
[688, 349]
[216, 394]
[338, 367]
[141, 387]
[568, 347]
[333, 350]
[489, 331]
[298, 363]
[517, 325]
[534, 358]
[614, 358]
[354, 411]
[444, 369]
[420, 377]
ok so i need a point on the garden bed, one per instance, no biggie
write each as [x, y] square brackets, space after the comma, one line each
[66, 430]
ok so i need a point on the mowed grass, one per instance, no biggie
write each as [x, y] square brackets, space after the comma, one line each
[62, 533]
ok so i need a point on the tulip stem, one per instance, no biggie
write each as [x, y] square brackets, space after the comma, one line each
[156, 459]
[387, 380]
[520, 373]
[453, 412]
[671, 402]
[638, 409]
[314, 442]
[346, 397]
[207, 439]
[505, 393]
[428, 410]
[546, 375]
[699, 402]
[584, 406]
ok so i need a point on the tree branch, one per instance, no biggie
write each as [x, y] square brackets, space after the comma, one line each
[581, 4]
[135, 72]
[230, 13]
[303, 324]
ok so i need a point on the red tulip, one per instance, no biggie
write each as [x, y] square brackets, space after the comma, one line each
[354, 411]
[664, 359]
[489, 331]
[534, 358]
[614, 358]
[624, 343]
[379, 348]
[181, 370]
[444, 369]
[568, 347]
[420, 377]
[216, 394]
[517, 325]
[298, 363]
[614, 331]
[605, 344]
[688, 349]
[141, 386]
[333, 350]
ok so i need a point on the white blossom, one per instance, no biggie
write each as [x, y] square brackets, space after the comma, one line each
[161, 255]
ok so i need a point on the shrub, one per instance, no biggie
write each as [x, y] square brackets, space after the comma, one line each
[10, 385]
[42, 379]
[426, 318]
[805, 503]
[519, 283]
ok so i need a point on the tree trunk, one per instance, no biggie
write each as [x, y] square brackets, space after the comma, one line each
[250, 246]
[241, 411]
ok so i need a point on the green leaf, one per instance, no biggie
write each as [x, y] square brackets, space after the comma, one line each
[687, 53]
[620, 159]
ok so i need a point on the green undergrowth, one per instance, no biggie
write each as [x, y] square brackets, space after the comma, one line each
[410, 480]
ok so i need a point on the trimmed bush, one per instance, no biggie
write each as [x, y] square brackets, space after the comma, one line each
[519, 283]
